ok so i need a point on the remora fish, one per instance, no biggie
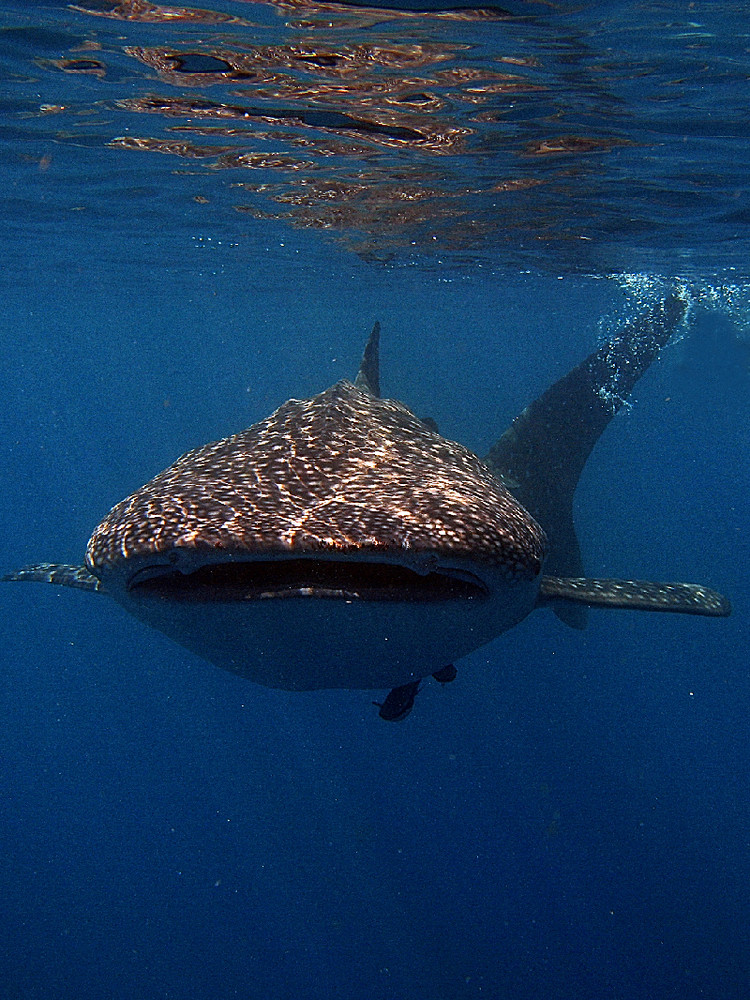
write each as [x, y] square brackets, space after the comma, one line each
[344, 543]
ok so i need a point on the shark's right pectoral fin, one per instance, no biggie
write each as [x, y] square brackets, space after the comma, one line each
[637, 595]
[60, 574]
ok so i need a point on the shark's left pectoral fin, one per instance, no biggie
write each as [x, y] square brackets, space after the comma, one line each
[637, 595]
[60, 574]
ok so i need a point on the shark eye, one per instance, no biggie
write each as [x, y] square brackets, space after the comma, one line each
[259, 579]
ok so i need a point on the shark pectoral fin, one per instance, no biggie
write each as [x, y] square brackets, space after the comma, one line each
[637, 595]
[58, 573]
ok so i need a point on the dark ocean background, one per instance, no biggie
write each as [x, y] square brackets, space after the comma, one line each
[571, 817]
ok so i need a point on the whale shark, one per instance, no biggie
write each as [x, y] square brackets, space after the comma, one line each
[343, 542]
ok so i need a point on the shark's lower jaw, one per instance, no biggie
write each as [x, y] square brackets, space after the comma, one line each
[322, 578]
[309, 623]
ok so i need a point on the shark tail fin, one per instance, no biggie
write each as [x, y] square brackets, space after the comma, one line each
[368, 376]
[637, 595]
[543, 452]
[58, 573]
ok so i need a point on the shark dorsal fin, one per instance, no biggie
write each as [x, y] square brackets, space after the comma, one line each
[542, 454]
[368, 376]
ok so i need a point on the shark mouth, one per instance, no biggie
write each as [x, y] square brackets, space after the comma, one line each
[318, 578]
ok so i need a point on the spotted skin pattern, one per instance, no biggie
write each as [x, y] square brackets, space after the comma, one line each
[340, 474]
[637, 595]
[61, 574]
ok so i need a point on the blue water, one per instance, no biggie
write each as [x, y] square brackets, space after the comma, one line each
[570, 817]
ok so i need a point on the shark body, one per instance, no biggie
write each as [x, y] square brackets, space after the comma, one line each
[344, 543]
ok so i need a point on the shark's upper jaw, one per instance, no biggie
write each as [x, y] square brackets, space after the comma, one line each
[339, 495]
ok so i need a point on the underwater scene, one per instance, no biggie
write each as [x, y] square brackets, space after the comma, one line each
[374, 523]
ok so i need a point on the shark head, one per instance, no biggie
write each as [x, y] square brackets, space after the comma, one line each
[340, 542]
